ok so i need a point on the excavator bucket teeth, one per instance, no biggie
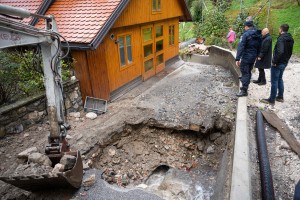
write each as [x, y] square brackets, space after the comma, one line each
[69, 179]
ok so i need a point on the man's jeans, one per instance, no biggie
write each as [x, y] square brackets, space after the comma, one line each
[277, 82]
[246, 74]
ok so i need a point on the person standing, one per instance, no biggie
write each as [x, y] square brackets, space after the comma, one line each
[282, 53]
[247, 52]
[231, 36]
[264, 58]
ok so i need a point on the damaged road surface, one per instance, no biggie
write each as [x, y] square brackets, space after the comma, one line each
[169, 138]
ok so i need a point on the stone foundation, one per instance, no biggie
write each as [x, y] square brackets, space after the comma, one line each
[16, 117]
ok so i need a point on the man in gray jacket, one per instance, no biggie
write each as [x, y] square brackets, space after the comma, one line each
[264, 58]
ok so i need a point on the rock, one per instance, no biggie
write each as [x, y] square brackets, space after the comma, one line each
[91, 115]
[90, 163]
[200, 145]
[284, 145]
[112, 151]
[85, 166]
[74, 114]
[195, 127]
[214, 136]
[143, 186]
[69, 137]
[90, 181]
[40, 159]
[58, 168]
[24, 154]
[68, 161]
[34, 115]
[210, 150]
[26, 134]
[73, 78]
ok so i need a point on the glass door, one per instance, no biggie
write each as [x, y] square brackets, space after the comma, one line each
[148, 51]
[159, 48]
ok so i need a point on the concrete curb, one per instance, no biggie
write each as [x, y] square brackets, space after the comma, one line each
[241, 175]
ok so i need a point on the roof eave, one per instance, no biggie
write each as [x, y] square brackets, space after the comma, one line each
[41, 11]
[109, 24]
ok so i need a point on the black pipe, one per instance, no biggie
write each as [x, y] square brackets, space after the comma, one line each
[264, 164]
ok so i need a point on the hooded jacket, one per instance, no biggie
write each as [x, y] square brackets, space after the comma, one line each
[249, 46]
[283, 49]
[265, 53]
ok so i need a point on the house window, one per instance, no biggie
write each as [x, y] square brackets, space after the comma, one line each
[156, 5]
[171, 35]
[125, 50]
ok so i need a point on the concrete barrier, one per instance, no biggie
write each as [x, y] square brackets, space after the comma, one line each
[241, 175]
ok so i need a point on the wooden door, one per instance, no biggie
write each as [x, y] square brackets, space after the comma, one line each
[153, 49]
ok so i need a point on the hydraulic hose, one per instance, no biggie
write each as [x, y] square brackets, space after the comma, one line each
[264, 164]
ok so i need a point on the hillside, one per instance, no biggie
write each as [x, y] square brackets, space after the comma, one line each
[284, 11]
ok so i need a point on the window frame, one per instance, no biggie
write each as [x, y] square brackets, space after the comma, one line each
[124, 35]
[156, 11]
[170, 25]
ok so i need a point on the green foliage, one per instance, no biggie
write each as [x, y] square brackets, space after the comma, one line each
[21, 74]
[214, 28]
[186, 31]
[197, 11]
[238, 25]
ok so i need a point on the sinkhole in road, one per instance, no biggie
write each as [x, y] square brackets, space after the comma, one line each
[173, 164]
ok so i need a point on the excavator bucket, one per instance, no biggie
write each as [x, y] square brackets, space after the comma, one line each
[68, 179]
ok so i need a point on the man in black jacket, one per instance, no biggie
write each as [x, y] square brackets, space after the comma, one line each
[264, 58]
[281, 56]
[247, 52]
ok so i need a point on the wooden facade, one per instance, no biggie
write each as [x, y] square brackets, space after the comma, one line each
[138, 45]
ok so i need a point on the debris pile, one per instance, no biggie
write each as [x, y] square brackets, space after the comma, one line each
[195, 49]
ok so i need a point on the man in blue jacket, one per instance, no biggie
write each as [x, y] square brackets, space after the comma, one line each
[282, 53]
[247, 52]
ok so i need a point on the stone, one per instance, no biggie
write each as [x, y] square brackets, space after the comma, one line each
[68, 103]
[26, 134]
[143, 186]
[73, 95]
[68, 161]
[22, 110]
[34, 115]
[24, 154]
[91, 115]
[194, 127]
[58, 168]
[90, 181]
[40, 159]
[210, 150]
[112, 151]
[200, 145]
[73, 78]
[69, 137]
[41, 114]
[85, 166]
[75, 114]
[214, 136]
[90, 163]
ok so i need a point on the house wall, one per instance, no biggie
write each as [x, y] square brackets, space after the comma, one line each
[91, 71]
[140, 11]
[119, 76]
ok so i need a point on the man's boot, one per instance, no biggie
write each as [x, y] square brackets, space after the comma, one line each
[242, 93]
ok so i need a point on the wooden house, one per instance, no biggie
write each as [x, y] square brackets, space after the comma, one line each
[117, 43]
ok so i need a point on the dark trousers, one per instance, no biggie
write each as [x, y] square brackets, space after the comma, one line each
[262, 75]
[246, 69]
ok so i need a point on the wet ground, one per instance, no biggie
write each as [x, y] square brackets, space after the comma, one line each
[285, 164]
[195, 100]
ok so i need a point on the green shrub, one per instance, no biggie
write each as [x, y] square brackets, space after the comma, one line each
[21, 74]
